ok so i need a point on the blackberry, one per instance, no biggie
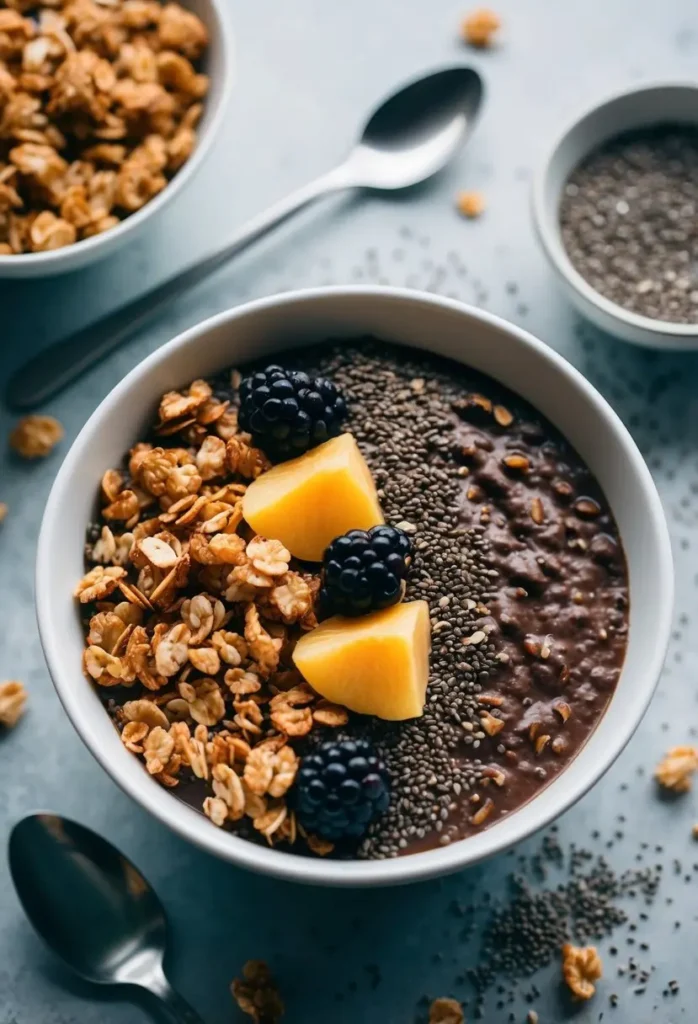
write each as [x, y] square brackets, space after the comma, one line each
[287, 412]
[342, 786]
[364, 570]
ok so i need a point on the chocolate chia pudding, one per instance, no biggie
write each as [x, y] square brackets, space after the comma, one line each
[513, 549]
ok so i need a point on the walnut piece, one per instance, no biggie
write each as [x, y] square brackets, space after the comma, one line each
[332, 715]
[227, 786]
[13, 699]
[292, 598]
[146, 712]
[269, 557]
[205, 700]
[99, 583]
[581, 967]
[479, 28]
[272, 771]
[470, 204]
[446, 1011]
[256, 993]
[34, 437]
[675, 769]
[248, 462]
[262, 647]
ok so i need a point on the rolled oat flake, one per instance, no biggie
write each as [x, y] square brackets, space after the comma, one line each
[629, 225]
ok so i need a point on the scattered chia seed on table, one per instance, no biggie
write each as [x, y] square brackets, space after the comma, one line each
[628, 219]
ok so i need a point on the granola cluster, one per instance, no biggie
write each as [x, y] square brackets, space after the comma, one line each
[13, 700]
[446, 1011]
[35, 437]
[675, 770]
[256, 993]
[480, 27]
[192, 619]
[99, 102]
[581, 967]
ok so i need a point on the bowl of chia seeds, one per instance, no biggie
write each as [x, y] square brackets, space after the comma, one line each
[615, 205]
[540, 553]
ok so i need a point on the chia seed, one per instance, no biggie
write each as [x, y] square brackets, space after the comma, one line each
[401, 415]
[628, 220]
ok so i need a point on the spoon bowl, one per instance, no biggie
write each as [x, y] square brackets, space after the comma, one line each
[92, 907]
[416, 131]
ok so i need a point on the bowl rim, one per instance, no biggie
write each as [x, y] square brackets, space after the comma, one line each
[224, 35]
[546, 223]
[189, 823]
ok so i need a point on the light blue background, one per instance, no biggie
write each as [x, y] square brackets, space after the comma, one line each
[306, 73]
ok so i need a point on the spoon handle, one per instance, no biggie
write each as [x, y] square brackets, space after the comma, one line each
[60, 364]
[177, 1008]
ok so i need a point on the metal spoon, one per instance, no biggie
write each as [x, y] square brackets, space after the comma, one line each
[93, 907]
[411, 136]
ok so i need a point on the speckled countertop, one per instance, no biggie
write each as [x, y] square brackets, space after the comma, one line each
[307, 71]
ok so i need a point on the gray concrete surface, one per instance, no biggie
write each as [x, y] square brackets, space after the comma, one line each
[307, 71]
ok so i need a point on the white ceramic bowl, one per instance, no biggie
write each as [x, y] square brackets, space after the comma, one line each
[269, 327]
[637, 108]
[218, 63]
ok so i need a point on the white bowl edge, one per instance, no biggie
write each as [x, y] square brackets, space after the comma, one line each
[89, 250]
[269, 325]
[642, 106]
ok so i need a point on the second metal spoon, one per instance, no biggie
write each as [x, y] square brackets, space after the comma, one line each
[93, 908]
[408, 138]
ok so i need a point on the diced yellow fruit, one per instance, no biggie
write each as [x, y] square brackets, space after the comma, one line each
[307, 502]
[376, 664]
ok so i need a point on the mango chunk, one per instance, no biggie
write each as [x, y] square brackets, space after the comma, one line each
[307, 502]
[377, 664]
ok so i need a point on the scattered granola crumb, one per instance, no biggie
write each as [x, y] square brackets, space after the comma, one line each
[581, 967]
[694, 831]
[316, 844]
[479, 28]
[532, 1017]
[470, 204]
[13, 699]
[3, 510]
[35, 436]
[256, 993]
[446, 1011]
[675, 769]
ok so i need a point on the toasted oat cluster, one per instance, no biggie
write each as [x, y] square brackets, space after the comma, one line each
[446, 1011]
[256, 993]
[191, 620]
[581, 967]
[99, 102]
[35, 437]
[480, 27]
[676, 769]
[13, 699]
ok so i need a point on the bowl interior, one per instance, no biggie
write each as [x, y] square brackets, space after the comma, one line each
[641, 108]
[271, 326]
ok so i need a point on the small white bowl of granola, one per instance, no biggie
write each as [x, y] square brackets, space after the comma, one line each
[110, 111]
[184, 640]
